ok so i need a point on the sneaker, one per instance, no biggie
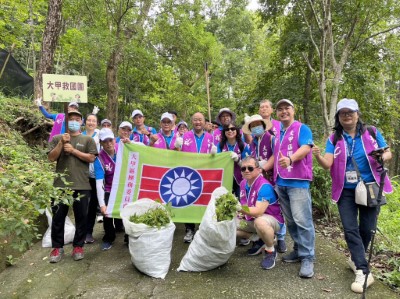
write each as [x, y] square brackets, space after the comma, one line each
[56, 255]
[269, 260]
[307, 268]
[106, 246]
[357, 285]
[77, 253]
[281, 246]
[244, 242]
[189, 236]
[352, 266]
[292, 257]
[89, 239]
[99, 219]
[257, 248]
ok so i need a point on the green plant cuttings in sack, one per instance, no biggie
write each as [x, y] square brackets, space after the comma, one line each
[157, 217]
[226, 207]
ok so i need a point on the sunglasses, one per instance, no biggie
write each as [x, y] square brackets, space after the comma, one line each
[230, 129]
[249, 168]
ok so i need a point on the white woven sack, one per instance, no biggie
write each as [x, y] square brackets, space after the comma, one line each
[69, 231]
[214, 242]
[150, 248]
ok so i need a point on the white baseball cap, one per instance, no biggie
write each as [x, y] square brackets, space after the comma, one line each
[106, 133]
[167, 115]
[347, 103]
[284, 101]
[136, 112]
[106, 121]
[126, 124]
[73, 104]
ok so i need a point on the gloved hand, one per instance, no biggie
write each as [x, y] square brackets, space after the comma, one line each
[178, 142]
[234, 156]
[95, 110]
[238, 207]
[213, 150]
[38, 102]
[262, 163]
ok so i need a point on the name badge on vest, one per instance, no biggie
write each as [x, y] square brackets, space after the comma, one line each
[351, 177]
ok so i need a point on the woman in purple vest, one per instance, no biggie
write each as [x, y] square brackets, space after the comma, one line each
[232, 141]
[350, 144]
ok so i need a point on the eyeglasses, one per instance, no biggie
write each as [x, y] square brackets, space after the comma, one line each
[168, 122]
[125, 129]
[230, 129]
[249, 168]
[346, 113]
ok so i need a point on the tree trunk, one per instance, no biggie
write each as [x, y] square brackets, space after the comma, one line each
[307, 88]
[112, 85]
[49, 44]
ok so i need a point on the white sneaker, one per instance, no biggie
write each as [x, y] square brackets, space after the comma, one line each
[352, 266]
[357, 285]
[189, 236]
[100, 218]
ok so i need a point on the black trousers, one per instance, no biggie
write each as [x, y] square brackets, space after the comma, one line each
[60, 212]
[93, 207]
[110, 225]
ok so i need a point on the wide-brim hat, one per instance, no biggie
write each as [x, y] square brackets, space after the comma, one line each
[249, 119]
[222, 110]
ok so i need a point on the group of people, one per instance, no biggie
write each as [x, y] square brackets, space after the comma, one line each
[272, 176]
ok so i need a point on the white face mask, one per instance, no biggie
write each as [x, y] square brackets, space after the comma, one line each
[74, 126]
[257, 131]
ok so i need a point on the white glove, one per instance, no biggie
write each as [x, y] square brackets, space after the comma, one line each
[178, 142]
[234, 156]
[213, 150]
[38, 102]
[262, 163]
[238, 207]
[95, 110]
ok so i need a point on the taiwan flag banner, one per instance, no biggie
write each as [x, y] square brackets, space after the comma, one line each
[186, 180]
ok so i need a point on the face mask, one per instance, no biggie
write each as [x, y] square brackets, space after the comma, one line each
[257, 131]
[74, 126]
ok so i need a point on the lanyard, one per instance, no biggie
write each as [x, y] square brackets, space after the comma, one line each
[350, 152]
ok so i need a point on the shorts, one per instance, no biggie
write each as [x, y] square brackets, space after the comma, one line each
[250, 224]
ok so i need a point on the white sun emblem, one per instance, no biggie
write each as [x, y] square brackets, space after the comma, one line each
[181, 186]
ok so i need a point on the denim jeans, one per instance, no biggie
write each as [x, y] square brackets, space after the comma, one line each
[296, 208]
[280, 235]
[357, 232]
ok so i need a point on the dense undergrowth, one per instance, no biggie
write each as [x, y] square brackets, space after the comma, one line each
[26, 178]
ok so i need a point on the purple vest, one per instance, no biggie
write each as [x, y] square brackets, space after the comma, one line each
[251, 199]
[189, 143]
[217, 136]
[299, 170]
[237, 174]
[262, 150]
[57, 127]
[276, 127]
[108, 165]
[338, 168]
[161, 143]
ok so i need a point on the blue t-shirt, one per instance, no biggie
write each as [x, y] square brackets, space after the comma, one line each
[141, 136]
[52, 116]
[199, 141]
[359, 155]
[305, 138]
[168, 138]
[266, 193]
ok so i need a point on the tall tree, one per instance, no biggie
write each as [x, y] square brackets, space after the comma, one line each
[49, 44]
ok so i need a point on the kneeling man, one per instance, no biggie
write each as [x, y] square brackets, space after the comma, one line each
[264, 215]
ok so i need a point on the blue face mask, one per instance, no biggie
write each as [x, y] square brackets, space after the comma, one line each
[74, 126]
[257, 131]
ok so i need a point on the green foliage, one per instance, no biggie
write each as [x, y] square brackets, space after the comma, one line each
[225, 207]
[157, 217]
[389, 219]
[393, 277]
[321, 190]
[26, 183]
